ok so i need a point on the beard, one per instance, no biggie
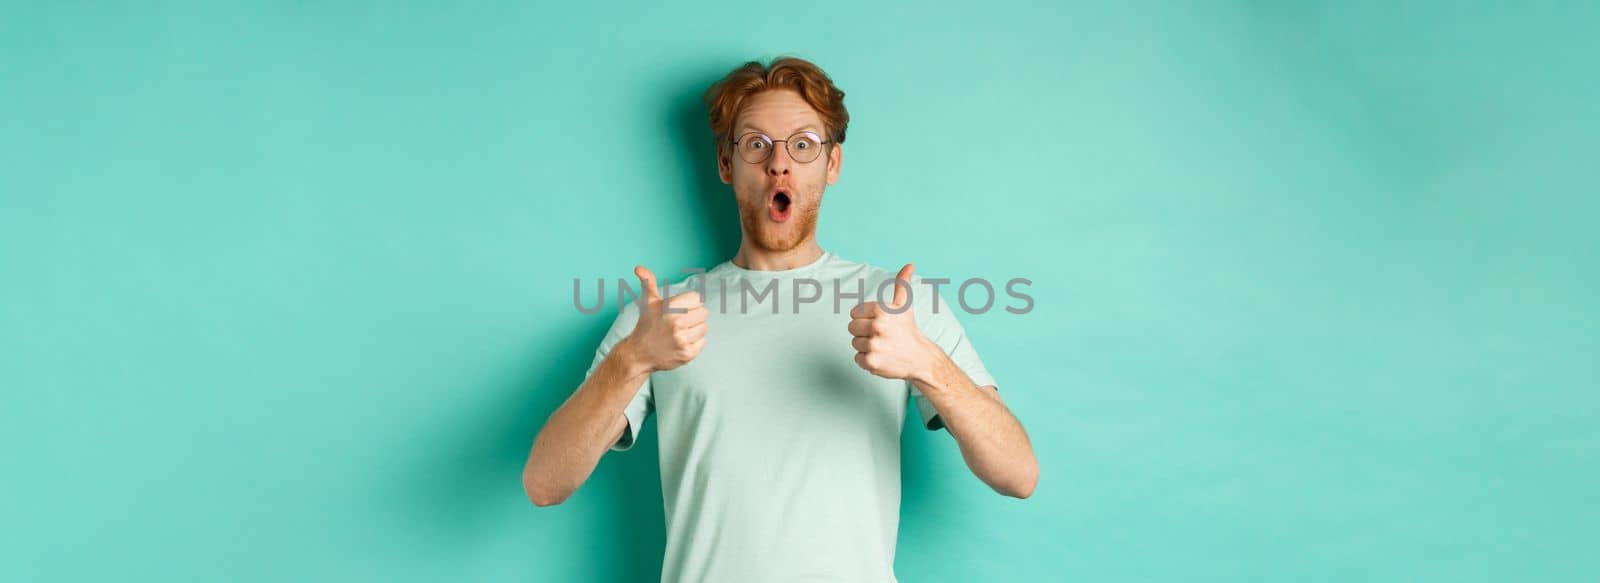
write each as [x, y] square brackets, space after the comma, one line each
[778, 237]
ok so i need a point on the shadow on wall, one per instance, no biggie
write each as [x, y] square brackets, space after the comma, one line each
[470, 484]
[716, 221]
[922, 486]
[466, 484]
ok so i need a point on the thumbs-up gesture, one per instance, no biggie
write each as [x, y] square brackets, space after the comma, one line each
[888, 344]
[667, 339]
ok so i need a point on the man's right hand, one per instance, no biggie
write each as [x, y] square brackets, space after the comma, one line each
[665, 340]
[572, 440]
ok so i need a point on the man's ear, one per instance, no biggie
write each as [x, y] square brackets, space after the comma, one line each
[724, 165]
[835, 158]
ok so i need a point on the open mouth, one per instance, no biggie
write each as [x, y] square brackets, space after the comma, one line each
[778, 205]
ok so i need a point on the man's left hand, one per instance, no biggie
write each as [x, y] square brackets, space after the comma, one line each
[889, 344]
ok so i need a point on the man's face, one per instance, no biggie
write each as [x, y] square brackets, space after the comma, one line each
[779, 198]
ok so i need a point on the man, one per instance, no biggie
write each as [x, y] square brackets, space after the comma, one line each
[779, 421]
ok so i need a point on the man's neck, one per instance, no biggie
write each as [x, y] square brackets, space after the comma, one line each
[755, 259]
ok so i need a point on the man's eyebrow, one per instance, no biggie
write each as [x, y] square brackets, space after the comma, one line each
[747, 128]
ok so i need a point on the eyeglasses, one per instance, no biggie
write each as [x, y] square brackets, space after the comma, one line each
[756, 147]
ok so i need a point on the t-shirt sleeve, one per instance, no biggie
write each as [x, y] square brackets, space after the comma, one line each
[643, 402]
[939, 324]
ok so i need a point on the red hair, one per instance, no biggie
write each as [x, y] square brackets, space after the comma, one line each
[726, 97]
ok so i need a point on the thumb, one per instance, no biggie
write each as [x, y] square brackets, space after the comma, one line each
[901, 289]
[647, 281]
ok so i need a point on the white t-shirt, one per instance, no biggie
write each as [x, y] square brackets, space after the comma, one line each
[780, 457]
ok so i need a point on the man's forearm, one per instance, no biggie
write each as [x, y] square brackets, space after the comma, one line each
[992, 441]
[577, 434]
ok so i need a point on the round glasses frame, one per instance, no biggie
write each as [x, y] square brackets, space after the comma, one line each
[801, 156]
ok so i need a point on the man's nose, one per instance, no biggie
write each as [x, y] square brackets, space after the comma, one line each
[778, 165]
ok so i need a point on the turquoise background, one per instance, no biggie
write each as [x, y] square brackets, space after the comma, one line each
[285, 288]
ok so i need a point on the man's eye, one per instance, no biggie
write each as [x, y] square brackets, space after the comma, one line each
[802, 144]
[756, 145]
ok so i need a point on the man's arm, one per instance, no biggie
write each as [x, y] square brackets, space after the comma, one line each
[668, 334]
[992, 441]
[889, 344]
[579, 432]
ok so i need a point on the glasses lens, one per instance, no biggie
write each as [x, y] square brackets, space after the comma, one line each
[755, 148]
[804, 147]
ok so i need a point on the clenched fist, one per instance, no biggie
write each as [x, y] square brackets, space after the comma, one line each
[887, 344]
[665, 340]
